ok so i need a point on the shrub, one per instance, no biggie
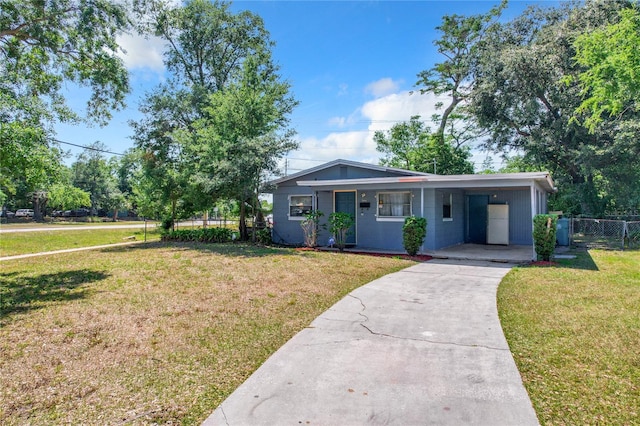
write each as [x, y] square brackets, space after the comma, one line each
[544, 235]
[310, 226]
[414, 231]
[339, 224]
[203, 235]
[263, 236]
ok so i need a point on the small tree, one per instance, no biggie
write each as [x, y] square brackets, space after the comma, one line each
[544, 235]
[310, 226]
[413, 232]
[339, 224]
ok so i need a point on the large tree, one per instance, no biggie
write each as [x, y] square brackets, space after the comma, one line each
[217, 117]
[526, 92]
[44, 44]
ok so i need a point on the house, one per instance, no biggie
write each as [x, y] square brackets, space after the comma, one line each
[481, 209]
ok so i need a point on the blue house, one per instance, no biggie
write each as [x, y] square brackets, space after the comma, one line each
[480, 209]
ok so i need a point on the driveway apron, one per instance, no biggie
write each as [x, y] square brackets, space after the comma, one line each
[418, 347]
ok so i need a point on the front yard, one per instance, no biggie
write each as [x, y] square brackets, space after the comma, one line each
[574, 331]
[162, 333]
[157, 333]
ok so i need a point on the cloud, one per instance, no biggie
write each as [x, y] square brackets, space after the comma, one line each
[142, 53]
[358, 144]
[382, 87]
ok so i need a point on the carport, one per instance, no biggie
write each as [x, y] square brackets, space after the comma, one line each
[493, 253]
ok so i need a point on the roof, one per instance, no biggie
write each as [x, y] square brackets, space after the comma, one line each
[341, 162]
[497, 180]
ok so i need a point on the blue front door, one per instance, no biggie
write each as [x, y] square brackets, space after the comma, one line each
[477, 219]
[346, 202]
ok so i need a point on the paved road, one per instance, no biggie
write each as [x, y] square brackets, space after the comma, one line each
[421, 346]
[4, 230]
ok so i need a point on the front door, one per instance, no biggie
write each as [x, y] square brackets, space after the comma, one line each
[477, 219]
[345, 201]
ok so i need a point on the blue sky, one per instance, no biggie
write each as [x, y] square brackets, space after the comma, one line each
[352, 66]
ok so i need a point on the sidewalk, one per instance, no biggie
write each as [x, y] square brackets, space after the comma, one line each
[46, 253]
[420, 346]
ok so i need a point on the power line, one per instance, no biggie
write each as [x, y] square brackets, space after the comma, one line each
[89, 147]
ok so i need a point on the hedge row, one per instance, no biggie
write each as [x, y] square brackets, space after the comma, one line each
[204, 235]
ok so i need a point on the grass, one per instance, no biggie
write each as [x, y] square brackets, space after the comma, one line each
[15, 243]
[574, 331]
[157, 333]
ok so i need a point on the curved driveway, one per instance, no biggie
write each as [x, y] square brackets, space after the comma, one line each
[420, 346]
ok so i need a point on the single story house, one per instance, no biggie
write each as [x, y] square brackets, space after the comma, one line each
[480, 209]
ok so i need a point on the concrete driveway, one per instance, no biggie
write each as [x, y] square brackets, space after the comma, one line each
[420, 346]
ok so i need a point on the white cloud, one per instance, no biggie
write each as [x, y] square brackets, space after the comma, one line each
[358, 145]
[382, 87]
[142, 53]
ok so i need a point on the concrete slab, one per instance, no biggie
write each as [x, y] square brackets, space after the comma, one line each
[516, 254]
[421, 346]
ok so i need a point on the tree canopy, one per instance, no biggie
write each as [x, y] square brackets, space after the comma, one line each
[43, 45]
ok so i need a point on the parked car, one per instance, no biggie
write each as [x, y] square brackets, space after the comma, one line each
[7, 213]
[57, 213]
[76, 213]
[24, 213]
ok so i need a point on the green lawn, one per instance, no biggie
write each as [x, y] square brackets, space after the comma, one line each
[156, 333]
[574, 331]
[15, 243]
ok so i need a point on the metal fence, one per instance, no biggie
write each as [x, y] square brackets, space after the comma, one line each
[605, 233]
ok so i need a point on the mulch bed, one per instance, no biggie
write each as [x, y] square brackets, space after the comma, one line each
[416, 258]
[543, 263]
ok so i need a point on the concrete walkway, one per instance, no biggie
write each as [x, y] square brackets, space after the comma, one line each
[47, 253]
[417, 347]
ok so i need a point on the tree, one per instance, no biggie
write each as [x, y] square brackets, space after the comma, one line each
[526, 92]
[92, 173]
[611, 57]
[66, 197]
[42, 46]
[455, 76]
[412, 146]
[220, 123]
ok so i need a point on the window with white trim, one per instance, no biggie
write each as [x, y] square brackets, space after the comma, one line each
[300, 206]
[394, 204]
[447, 206]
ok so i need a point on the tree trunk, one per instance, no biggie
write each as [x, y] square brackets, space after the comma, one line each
[244, 235]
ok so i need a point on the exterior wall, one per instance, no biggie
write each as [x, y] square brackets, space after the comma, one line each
[519, 201]
[448, 232]
[289, 231]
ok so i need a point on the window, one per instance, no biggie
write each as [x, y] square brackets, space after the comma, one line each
[300, 206]
[447, 211]
[394, 204]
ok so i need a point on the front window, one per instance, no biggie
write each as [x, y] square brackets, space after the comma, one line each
[394, 204]
[300, 206]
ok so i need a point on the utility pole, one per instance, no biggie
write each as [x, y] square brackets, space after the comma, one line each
[434, 166]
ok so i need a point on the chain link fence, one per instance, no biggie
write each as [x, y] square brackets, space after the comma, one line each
[605, 233]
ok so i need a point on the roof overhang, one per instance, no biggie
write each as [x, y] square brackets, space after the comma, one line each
[500, 180]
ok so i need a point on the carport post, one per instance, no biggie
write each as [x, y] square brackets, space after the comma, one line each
[532, 189]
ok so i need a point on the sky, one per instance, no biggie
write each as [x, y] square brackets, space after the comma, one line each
[352, 66]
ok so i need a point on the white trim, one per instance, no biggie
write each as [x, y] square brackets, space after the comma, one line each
[391, 219]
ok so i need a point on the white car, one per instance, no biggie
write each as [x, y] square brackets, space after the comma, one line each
[24, 213]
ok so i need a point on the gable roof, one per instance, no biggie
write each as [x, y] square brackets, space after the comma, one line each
[341, 162]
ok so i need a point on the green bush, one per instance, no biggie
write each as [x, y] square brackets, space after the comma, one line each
[203, 235]
[263, 236]
[414, 231]
[544, 235]
[339, 224]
